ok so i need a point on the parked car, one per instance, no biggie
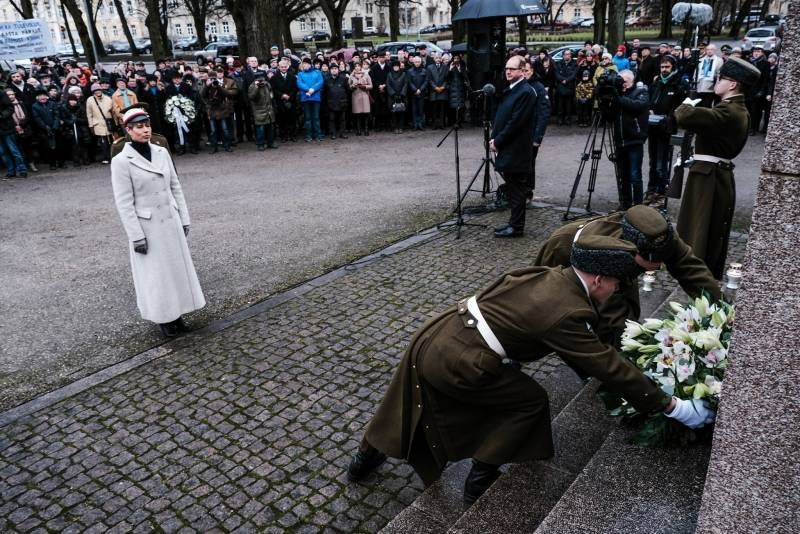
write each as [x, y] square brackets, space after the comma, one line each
[429, 29]
[347, 34]
[118, 47]
[66, 50]
[144, 45]
[187, 43]
[317, 35]
[588, 23]
[219, 48]
[558, 53]
[409, 46]
[578, 21]
[766, 36]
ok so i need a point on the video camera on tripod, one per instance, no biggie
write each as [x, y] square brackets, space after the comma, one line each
[609, 87]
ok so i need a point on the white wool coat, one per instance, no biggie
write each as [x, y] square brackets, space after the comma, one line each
[150, 203]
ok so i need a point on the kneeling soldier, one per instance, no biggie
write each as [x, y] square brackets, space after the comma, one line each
[452, 396]
[652, 234]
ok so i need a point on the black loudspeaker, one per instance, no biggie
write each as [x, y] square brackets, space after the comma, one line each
[357, 25]
[486, 40]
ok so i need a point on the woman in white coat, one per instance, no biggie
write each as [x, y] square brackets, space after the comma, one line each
[150, 203]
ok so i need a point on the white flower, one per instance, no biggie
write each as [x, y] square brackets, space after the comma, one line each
[664, 337]
[653, 324]
[708, 339]
[701, 305]
[715, 357]
[685, 369]
[631, 345]
[633, 329]
[676, 308]
[714, 385]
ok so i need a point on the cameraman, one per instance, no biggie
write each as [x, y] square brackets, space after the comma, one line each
[630, 132]
[218, 94]
[666, 93]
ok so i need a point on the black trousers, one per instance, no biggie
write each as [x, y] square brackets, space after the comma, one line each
[564, 107]
[531, 183]
[517, 187]
[336, 121]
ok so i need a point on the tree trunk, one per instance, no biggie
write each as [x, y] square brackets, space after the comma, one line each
[665, 30]
[199, 19]
[334, 12]
[522, 24]
[80, 26]
[155, 28]
[125, 28]
[25, 8]
[744, 11]
[599, 12]
[67, 30]
[257, 26]
[616, 23]
[394, 20]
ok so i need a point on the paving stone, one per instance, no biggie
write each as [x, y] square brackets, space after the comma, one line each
[249, 429]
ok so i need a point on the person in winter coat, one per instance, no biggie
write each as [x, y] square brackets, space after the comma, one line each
[47, 126]
[565, 73]
[11, 126]
[219, 94]
[153, 210]
[631, 132]
[337, 90]
[98, 112]
[457, 85]
[541, 117]
[666, 94]
[75, 135]
[583, 98]
[417, 90]
[397, 88]
[438, 89]
[260, 94]
[361, 85]
[284, 87]
[309, 84]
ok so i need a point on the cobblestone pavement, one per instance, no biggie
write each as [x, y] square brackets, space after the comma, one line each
[249, 429]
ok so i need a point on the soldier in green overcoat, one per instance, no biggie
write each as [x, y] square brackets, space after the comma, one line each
[706, 211]
[652, 234]
[453, 397]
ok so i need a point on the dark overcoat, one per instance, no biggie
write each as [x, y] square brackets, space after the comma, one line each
[437, 78]
[453, 398]
[704, 221]
[513, 129]
[689, 270]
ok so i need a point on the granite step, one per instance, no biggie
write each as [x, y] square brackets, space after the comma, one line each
[524, 495]
[440, 505]
[632, 489]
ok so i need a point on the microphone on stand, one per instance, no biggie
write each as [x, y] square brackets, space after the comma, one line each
[487, 90]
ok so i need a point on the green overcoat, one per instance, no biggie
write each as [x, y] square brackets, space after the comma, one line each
[689, 270]
[709, 198]
[453, 398]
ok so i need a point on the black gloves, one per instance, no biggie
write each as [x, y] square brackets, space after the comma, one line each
[186, 229]
[140, 246]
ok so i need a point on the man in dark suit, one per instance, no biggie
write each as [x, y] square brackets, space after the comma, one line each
[284, 87]
[511, 140]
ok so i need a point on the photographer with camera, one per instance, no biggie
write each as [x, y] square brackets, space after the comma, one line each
[666, 93]
[218, 94]
[260, 96]
[632, 104]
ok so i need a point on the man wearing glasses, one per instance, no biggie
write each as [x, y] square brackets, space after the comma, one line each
[511, 141]
[706, 212]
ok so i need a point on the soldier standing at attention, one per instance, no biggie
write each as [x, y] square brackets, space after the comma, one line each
[453, 397]
[706, 212]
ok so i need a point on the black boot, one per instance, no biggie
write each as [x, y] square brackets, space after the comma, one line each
[180, 325]
[637, 193]
[366, 460]
[169, 329]
[480, 477]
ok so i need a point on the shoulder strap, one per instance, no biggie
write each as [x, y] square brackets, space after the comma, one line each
[99, 108]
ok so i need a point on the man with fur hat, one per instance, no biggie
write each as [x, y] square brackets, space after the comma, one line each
[656, 243]
[156, 221]
[706, 212]
[452, 396]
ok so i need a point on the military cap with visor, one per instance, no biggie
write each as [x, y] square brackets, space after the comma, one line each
[741, 71]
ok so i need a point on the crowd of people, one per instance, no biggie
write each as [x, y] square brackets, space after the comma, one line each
[63, 112]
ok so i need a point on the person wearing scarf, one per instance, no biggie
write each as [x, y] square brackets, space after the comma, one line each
[666, 93]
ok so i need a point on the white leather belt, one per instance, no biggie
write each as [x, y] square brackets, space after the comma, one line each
[484, 328]
[710, 159]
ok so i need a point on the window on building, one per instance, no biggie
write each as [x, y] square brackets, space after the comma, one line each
[173, 4]
[313, 24]
[369, 7]
[323, 24]
[189, 29]
[178, 29]
[110, 7]
[105, 32]
[212, 27]
[129, 7]
[226, 29]
[133, 30]
[303, 25]
[114, 31]
[576, 12]
[368, 21]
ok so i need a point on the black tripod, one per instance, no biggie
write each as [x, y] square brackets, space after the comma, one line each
[487, 163]
[459, 211]
[594, 151]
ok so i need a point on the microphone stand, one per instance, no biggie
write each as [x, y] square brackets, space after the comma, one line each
[459, 211]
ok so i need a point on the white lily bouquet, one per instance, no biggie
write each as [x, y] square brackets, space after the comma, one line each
[686, 354]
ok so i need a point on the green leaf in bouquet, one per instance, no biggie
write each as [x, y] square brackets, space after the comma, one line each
[700, 391]
[649, 349]
[687, 390]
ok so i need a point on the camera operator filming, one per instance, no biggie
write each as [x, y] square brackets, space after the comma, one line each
[630, 133]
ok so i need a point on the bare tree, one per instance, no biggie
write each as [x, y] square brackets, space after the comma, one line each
[125, 28]
[23, 7]
[616, 23]
[334, 11]
[157, 26]
[599, 12]
[293, 10]
[744, 11]
[258, 24]
[82, 30]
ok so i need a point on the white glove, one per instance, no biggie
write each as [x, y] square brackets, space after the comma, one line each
[689, 102]
[692, 413]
